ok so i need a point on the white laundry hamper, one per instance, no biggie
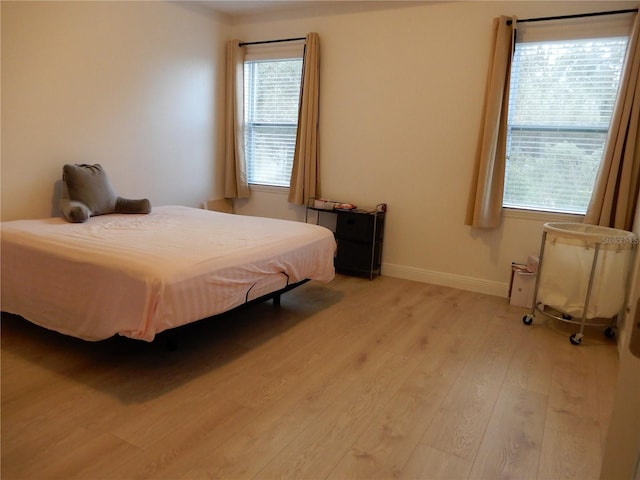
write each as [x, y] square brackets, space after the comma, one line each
[582, 275]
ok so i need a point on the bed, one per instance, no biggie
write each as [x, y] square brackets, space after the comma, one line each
[139, 275]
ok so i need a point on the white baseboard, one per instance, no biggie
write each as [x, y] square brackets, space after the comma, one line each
[478, 285]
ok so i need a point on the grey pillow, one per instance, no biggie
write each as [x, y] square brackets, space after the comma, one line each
[86, 192]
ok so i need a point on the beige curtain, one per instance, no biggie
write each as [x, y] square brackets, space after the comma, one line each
[304, 175]
[235, 166]
[615, 195]
[484, 207]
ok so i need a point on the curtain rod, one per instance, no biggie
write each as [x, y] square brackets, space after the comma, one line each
[273, 41]
[579, 15]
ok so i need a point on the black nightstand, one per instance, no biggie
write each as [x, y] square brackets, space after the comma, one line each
[359, 234]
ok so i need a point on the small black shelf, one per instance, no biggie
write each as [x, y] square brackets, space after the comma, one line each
[359, 236]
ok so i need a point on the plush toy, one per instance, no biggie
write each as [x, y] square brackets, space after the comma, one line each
[86, 192]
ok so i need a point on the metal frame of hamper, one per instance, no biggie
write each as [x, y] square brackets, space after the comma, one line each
[582, 276]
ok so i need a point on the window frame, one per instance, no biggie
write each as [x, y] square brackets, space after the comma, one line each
[551, 32]
[262, 53]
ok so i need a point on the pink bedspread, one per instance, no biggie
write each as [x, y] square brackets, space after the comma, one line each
[137, 275]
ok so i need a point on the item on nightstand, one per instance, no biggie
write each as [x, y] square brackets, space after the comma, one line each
[322, 204]
[344, 206]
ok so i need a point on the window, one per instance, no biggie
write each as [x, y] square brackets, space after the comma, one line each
[271, 97]
[561, 99]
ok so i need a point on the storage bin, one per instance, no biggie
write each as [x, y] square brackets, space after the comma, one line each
[583, 273]
[569, 255]
[357, 227]
[522, 289]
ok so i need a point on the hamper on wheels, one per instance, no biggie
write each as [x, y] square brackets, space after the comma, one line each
[582, 275]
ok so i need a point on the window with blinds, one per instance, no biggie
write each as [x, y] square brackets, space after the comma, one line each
[562, 95]
[271, 97]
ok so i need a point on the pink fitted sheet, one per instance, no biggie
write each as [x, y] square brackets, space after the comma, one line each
[138, 275]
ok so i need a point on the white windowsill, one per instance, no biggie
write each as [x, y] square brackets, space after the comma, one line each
[541, 216]
[269, 189]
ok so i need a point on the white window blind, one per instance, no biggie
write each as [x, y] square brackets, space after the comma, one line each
[562, 95]
[561, 100]
[272, 91]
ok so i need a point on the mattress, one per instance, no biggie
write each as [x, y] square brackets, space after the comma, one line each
[138, 275]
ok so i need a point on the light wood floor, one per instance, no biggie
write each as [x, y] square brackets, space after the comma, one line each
[355, 379]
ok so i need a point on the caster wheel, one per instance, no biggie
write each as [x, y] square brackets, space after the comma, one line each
[609, 332]
[575, 339]
[527, 319]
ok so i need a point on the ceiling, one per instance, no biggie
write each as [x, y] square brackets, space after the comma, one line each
[249, 7]
[242, 7]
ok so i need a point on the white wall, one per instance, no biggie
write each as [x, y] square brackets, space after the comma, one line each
[139, 87]
[401, 103]
[135, 86]
[621, 458]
